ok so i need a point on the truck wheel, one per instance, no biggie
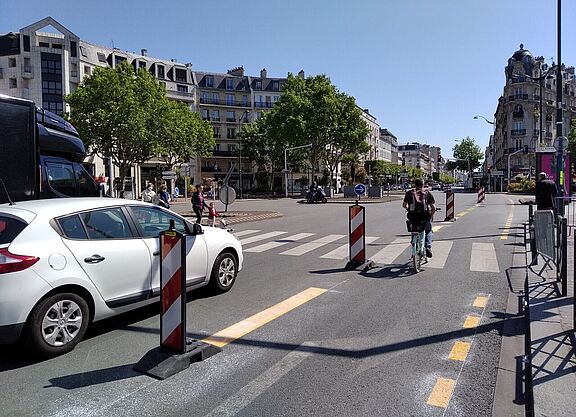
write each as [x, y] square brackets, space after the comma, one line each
[56, 325]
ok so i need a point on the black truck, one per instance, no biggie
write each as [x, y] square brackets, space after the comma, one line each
[40, 154]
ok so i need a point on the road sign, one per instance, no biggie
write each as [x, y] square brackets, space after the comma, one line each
[168, 172]
[496, 173]
[169, 177]
[227, 194]
[360, 189]
[545, 149]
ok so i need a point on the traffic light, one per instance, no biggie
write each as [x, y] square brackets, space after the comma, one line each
[525, 150]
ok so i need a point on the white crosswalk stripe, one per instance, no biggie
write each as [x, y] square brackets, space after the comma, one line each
[310, 246]
[483, 258]
[440, 249]
[342, 252]
[278, 243]
[391, 251]
[258, 238]
[245, 232]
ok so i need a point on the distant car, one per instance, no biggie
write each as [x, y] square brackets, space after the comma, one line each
[65, 263]
[436, 187]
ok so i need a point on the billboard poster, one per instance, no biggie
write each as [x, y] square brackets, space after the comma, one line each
[547, 164]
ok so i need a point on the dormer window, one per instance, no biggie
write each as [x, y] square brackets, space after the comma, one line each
[276, 85]
[229, 84]
[258, 85]
[209, 81]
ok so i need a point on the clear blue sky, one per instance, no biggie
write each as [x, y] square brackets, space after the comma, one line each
[424, 68]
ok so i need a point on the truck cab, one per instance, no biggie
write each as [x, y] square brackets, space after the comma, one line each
[40, 155]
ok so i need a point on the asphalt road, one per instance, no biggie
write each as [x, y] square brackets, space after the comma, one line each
[382, 342]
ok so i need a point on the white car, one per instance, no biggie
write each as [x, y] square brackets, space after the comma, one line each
[67, 262]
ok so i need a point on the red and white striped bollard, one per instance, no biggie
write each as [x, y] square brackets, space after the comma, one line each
[449, 206]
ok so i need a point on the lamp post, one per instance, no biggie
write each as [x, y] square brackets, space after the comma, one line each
[510, 155]
[482, 117]
[286, 164]
[245, 114]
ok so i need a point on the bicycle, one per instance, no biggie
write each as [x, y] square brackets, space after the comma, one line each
[417, 241]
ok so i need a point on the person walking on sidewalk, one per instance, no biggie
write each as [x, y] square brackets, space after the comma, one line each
[421, 207]
[545, 193]
[198, 203]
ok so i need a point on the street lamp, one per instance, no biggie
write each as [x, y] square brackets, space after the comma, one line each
[286, 164]
[245, 114]
[482, 117]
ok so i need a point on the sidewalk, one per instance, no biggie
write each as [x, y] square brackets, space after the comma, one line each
[552, 341]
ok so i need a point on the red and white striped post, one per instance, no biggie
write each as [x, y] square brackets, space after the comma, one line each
[449, 206]
[173, 291]
[357, 231]
[481, 194]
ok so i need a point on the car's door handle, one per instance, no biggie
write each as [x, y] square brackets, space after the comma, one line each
[94, 259]
[156, 253]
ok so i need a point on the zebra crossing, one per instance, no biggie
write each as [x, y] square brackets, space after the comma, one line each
[482, 256]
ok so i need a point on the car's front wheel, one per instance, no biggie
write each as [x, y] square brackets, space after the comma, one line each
[56, 324]
[224, 272]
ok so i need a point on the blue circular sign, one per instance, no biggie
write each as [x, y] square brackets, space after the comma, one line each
[360, 189]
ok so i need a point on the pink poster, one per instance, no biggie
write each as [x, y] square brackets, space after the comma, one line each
[548, 165]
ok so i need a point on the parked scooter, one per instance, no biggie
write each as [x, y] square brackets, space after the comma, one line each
[316, 196]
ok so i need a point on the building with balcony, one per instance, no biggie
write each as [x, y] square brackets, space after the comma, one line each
[389, 144]
[417, 156]
[518, 113]
[373, 137]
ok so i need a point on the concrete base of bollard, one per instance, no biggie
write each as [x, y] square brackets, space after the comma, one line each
[161, 364]
[352, 266]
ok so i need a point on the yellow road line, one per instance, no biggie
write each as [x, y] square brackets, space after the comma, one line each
[462, 214]
[228, 335]
[441, 393]
[436, 228]
[480, 301]
[504, 235]
[471, 322]
[459, 351]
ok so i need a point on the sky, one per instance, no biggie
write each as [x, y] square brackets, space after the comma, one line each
[423, 68]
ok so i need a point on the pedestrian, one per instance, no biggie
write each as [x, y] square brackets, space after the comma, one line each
[545, 193]
[198, 203]
[421, 207]
[148, 194]
[164, 200]
[212, 214]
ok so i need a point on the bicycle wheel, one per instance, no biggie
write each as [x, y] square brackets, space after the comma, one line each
[416, 254]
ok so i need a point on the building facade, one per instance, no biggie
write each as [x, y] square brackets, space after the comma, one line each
[518, 115]
[389, 144]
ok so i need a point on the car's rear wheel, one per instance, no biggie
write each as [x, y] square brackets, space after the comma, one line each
[56, 324]
[224, 272]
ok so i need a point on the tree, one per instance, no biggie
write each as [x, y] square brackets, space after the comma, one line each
[467, 156]
[116, 113]
[183, 134]
[572, 139]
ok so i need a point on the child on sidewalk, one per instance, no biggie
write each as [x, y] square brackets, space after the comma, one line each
[212, 214]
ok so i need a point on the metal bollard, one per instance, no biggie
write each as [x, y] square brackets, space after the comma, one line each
[532, 232]
[564, 271]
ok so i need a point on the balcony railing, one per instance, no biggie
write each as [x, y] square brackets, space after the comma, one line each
[263, 104]
[518, 132]
[518, 97]
[234, 103]
[228, 154]
[181, 93]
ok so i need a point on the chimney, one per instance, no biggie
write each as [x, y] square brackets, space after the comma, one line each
[238, 71]
[144, 52]
[301, 74]
[263, 73]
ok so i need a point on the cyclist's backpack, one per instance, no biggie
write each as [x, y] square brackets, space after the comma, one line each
[419, 201]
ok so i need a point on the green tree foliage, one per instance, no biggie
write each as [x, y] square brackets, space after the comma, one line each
[572, 139]
[465, 152]
[183, 134]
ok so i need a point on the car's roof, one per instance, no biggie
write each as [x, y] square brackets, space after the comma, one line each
[60, 206]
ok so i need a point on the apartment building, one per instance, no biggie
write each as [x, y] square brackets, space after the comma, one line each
[373, 138]
[389, 143]
[518, 113]
[417, 156]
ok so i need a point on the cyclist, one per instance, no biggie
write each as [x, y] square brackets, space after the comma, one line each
[421, 208]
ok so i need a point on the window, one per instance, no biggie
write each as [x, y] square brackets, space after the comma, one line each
[518, 125]
[83, 52]
[152, 220]
[43, 44]
[231, 116]
[53, 106]
[51, 66]
[56, 46]
[87, 70]
[52, 87]
[276, 85]
[231, 148]
[275, 99]
[118, 60]
[204, 98]
[160, 71]
[106, 224]
[180, 75]
[217, 135]
[72, 227]
[215, 98]
[12, 62]
[230, 133]
[142, 64]
[229, 99]
[101, 57]
[244, 100]
[13, 83]
[229, 84]
[209, 81]
[73, 49]
[258, 85]
[61, 177]
[182, 88]
[205, 115]
[85, 183]
[216, 115]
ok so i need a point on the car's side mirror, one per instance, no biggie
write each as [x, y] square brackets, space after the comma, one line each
[197, 229]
